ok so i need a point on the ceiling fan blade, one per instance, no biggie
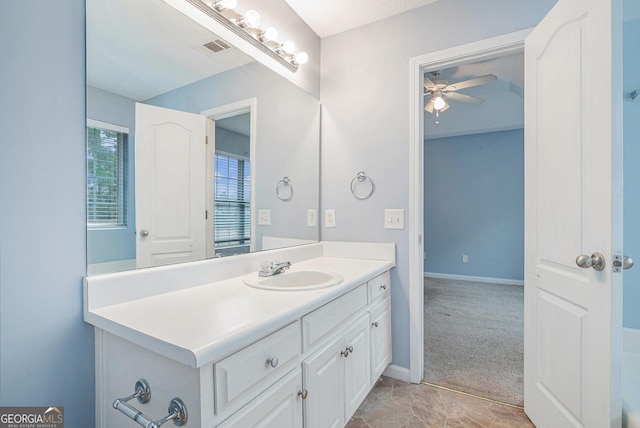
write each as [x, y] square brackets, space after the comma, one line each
[464, 98]
[429, 106]
[471, 82]
[428, 82]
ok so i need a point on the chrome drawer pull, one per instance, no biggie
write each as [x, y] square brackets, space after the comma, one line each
[304, 393]
[383, 287]
[375, 324]
[273, 362]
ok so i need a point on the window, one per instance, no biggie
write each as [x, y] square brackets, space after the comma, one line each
[232, 201]
[106, 174]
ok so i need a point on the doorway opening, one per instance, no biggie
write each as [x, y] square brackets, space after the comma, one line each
[472, 53]
[474, 229]
[230, 187]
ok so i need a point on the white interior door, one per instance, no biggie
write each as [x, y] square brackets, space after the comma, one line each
[573, 191]
[170, 186]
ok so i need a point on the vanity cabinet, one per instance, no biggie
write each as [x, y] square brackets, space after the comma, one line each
[279, 407]
[380, 337]
[312, 372]
[246, 373]
[337, 377]
[380, 324]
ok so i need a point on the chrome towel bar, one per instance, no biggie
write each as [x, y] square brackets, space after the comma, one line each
[177, 409]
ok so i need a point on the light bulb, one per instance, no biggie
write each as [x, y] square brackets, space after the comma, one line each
[223, 4]
[288, 47]
[251, 19]
[269, 34]
[302, 58]
[438, 102]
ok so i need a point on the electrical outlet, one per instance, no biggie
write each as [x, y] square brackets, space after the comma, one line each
[312, 218]
[264, 217]
[394, 219]
[465, 258]
[329, 218]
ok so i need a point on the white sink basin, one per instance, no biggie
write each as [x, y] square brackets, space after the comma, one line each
[295, 280]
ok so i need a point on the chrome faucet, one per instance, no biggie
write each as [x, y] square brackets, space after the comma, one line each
[273, 268]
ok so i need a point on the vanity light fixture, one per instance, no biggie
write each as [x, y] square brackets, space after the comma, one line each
[251, 19]
[247, 27]
[268, 35]
[287, 47]
[221, 5]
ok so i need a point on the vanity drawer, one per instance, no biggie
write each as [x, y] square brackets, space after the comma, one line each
[323, 322]
[379, 287]
[246, 373]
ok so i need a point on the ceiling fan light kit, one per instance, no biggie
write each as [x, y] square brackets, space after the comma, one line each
[439, 91]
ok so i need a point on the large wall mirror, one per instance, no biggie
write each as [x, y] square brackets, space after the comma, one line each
[194, 149]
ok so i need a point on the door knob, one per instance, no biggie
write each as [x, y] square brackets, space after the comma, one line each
[595, 260]
[144, 233]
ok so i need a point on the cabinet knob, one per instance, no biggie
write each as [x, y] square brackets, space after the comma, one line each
[347, 350]
[383, 287]
[303, 393]
[375, 324]
[273, 362]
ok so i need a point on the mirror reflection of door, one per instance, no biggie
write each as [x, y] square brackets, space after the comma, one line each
[232, 184]
[170, 183]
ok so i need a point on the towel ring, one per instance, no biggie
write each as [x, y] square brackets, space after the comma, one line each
[284, 189]
[362, 186]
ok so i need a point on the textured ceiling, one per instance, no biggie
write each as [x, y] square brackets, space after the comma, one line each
[328, 17]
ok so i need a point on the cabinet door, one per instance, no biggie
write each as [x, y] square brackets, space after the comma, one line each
[278, 407]
[380, 338]
[324, 381]
[357, 371]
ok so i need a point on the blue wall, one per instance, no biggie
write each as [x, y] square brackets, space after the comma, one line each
[46, 350]
[632, 174]
[114, 243]
[474, 205]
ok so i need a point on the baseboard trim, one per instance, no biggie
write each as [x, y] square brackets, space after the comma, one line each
[474, 278]
[397, 372]
[631, 340]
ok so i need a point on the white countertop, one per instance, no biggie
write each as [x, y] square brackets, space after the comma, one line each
[203, 323]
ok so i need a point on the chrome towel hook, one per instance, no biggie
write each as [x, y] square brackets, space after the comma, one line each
[362, 185]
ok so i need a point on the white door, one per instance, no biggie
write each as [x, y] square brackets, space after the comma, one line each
[573, 186]
[170, 186]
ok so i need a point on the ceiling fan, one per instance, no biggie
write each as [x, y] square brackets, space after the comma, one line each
[441, 90]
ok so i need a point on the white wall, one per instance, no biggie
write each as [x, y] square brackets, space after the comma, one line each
[46, 350]
[365, 118]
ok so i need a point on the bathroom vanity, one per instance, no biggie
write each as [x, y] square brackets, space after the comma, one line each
[237, 355]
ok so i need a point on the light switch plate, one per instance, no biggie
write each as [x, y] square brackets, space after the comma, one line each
[329, 218]
[312, 218]
[264, 217]
[394, 219]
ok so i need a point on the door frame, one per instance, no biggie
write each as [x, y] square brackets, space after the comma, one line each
[482, 50]
[249, 105]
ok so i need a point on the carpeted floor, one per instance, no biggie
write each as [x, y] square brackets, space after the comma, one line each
[474, 338]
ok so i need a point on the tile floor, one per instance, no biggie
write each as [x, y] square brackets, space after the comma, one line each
[396, 404]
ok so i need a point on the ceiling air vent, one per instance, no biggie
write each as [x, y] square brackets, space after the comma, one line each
[216, 46]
